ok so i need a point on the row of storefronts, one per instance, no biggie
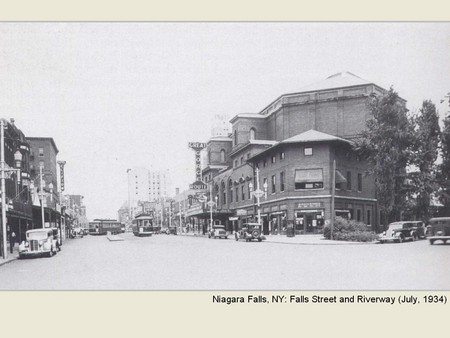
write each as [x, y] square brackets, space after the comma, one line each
[33, 192]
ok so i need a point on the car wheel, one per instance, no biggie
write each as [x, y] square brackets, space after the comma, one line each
[259, 239]
[431, 242]
[50, 253]
[381, 242]
[400, 239]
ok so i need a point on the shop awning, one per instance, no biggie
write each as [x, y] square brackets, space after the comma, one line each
[308, 175]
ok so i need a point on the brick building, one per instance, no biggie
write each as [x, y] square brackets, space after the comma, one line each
[17, 189]
[43, 154]
[292, 144]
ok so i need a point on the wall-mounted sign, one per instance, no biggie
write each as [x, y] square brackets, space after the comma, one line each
[305, 205]
[241, 212]
[233, 218]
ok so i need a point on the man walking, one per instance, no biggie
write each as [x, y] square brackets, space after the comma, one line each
[12, 241]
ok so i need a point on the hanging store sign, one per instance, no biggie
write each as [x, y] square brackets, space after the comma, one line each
[199, 185]
[197, 146]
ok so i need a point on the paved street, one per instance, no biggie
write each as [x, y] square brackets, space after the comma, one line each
[167, 262]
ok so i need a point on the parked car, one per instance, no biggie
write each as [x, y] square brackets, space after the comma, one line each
[218, 231]
[439, 229]
[76, 232]
[403, 231]
[250, 232]
[38, 242]
[172, 231]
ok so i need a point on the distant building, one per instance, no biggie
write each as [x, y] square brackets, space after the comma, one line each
[146, 186]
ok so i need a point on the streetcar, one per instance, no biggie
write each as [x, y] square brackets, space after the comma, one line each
[143, 225]
[103, 226]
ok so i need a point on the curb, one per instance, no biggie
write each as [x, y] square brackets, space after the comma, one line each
[9, 260]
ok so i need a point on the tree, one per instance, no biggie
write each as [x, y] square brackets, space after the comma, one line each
[424, 155]
[386, 145]
[444, 167]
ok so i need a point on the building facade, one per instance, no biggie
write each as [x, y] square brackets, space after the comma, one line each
[43, 162]
[289, 150]
[19, 217]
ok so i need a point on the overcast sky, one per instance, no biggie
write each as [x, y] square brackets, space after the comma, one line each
[118, 95]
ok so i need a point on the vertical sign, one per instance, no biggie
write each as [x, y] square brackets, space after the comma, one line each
[197, 146]
[61, 172]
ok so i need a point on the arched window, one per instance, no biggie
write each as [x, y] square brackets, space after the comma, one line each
[222, 155]
[252, 133]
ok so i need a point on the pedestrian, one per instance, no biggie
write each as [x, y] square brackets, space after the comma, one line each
[12, 241]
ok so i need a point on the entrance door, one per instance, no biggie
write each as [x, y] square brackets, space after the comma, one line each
[309, 222]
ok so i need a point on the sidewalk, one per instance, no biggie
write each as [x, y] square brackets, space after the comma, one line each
[310, 239]
[11, 256]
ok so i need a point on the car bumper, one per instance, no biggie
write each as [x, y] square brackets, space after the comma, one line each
[32, 253]
[388, 239]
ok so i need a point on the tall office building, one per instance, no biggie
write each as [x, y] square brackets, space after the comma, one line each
[147, 185]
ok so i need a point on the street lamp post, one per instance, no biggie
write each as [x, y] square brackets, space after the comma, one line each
[258, 193]
[4, 169]
[211, 205]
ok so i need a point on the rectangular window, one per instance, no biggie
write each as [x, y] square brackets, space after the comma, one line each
[358, 215]
[41, 152]
[282, 155]
[308, 151]
[282, 181]
[235, 163]
[231, 195]
[242, 159]
[224, 197]
[273, 184]
[237, 194]
[368, 220]
[308, 178]
[41, 164]
[249, 193]
[264, 162]
[360, 182]
[339, 180]
[349, 180]
[274, 159]
[243, 192]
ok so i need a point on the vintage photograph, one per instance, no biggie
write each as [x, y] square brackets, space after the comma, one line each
[208, 156]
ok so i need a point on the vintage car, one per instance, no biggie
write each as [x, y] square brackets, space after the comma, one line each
[439, 229]
[76, 232]
[218, 231]
[250, 232]
[403, 231]
[39, 242]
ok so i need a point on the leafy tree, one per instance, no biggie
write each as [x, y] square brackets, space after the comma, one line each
[386, 144]
[423, 158]
[444, 167]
